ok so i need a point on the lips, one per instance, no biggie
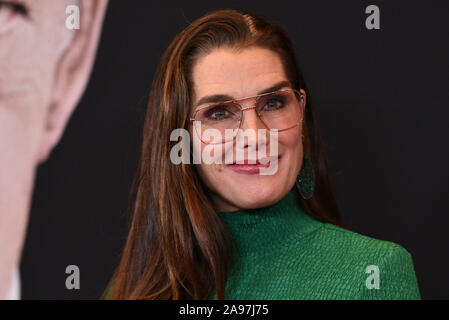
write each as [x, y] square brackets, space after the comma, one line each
[246, 167]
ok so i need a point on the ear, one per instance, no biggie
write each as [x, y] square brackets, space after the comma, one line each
[72, 74]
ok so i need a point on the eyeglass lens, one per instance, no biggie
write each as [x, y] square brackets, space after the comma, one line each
[278, 111]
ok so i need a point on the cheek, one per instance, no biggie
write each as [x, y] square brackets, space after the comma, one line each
[290, 140]
[27, 68]
[290, 146]
[212, 163]
[211, 176]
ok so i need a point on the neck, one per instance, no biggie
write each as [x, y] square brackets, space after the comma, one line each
[16, 183]
[269, 228]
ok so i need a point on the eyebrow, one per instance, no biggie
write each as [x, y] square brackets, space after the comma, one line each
[224, 97]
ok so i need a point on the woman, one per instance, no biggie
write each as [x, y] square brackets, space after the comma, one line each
[222, 229]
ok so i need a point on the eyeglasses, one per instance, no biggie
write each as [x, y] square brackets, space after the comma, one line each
[278, 111]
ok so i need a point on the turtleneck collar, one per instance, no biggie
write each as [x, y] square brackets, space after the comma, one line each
[269, 228]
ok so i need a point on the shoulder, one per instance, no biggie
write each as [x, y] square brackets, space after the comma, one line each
[352, 243]
[380, 269]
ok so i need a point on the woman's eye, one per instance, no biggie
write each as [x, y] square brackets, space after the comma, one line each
[274, 104]
[217, 113]
[8, 11]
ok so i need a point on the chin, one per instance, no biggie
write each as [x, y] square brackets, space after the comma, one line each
[253, 197]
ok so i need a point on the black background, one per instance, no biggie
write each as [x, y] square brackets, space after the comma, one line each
[381, 101]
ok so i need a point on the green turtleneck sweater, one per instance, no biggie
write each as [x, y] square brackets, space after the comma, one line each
[286, 254]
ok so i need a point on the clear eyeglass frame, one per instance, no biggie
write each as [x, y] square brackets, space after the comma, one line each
[298, 94]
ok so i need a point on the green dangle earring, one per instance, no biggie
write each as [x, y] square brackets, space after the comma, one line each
[305, 179]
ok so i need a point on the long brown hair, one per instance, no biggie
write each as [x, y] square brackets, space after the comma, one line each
[177, 247]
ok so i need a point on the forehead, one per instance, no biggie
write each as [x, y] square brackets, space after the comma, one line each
[237, 73]
[30, 45]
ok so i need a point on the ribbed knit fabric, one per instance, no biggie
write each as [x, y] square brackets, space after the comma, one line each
[286, 254]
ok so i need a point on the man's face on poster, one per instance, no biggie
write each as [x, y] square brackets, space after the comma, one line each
[40, 76]
[44, 69]
[32, 39]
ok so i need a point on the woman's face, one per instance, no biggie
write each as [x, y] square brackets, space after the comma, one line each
[240, 74]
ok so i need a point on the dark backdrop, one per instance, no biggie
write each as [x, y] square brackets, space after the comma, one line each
[380, 98]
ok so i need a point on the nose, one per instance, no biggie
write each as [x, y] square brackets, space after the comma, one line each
[250, 119]
[251, 123]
